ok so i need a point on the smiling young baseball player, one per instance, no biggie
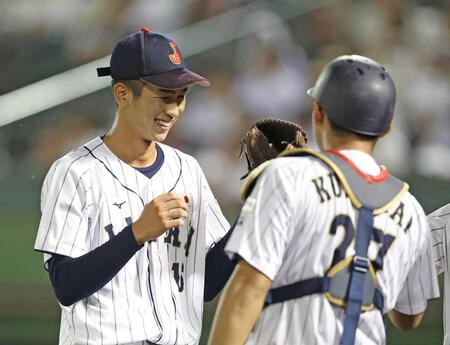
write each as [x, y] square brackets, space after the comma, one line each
[328, 242]
[126, 220]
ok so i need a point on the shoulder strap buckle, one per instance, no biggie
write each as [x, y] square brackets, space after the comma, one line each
[361, 263]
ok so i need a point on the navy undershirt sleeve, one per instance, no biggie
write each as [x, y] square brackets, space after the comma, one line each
[218, 268]
[76, 278]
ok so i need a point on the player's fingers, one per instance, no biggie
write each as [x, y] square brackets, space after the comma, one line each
[162, 198]
[170, 196]
[178, 203]
[177, 213]
[161, 205]
[173, 223]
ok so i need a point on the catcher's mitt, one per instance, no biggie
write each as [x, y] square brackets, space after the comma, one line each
[267, 138]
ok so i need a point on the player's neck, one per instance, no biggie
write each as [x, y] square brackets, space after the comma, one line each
[331, 138]
[130, 149]
[350, 143]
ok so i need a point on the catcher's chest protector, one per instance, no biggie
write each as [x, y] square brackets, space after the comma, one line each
[350, 283]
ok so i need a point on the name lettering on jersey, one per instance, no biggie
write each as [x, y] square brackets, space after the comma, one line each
[328, 186]
[178, 271]
[173, 238]
[189, 241]
[398, 216]
[109, 228]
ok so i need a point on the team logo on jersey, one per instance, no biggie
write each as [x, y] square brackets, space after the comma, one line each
[176, 56]
[119, 204]
[248, 206]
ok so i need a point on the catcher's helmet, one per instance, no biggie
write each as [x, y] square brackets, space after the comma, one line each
[357, 94]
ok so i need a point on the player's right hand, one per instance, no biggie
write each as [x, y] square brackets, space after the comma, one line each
[162, 213]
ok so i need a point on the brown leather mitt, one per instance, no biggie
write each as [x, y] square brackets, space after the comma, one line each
[267, 138]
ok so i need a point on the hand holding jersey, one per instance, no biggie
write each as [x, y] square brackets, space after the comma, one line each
[161, 214]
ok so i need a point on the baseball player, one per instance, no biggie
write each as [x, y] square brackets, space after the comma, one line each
[439, 222]
[126, 220]
[326, 240]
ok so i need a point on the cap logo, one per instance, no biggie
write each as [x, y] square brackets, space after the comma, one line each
[175, 57]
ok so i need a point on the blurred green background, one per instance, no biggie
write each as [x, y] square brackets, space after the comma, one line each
[261, 57]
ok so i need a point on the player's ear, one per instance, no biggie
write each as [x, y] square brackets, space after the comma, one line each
[122, 94]
[386, 131]
[318, 114]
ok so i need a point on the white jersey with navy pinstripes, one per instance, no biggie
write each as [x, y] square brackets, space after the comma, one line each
[298, 221]
[439, 222]
[88, 196]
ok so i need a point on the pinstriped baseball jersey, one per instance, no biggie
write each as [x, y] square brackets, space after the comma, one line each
[90, 195]
[439, 222]
[296, 223]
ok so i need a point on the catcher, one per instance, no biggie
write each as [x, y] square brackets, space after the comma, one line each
[265, 140]
[329, 242]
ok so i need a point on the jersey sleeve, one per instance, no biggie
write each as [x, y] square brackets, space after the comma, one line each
[439, 223]
[63, 228]
[263, 229]
[421, 282]
[216, 225]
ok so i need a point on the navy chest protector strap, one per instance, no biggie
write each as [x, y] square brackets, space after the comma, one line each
[351, 283]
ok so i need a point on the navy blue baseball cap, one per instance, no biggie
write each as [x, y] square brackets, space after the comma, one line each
[150, 57]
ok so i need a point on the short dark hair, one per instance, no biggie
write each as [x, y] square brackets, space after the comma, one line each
[135, 85]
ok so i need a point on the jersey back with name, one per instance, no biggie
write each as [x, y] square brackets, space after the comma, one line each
[296, 224]
[89, 196]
